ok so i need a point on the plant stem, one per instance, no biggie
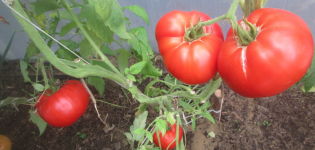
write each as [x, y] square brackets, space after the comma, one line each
[190, 33]
[88, 37]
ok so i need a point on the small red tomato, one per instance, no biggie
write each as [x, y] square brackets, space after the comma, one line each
[192, 62]
[64, 107]
[168, 140]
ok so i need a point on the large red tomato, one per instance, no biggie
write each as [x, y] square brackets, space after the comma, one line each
[168, 140]
[65, 106]
[279, 56]
[192, 62]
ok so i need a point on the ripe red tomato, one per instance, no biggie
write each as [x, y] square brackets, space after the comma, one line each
[168, 140]
[279, 56]
[192, 62]
[65, 106]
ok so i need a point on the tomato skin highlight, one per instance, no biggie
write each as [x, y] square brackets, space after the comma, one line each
[64, 107]
[168, 140]
[192, 62]
[278, 58]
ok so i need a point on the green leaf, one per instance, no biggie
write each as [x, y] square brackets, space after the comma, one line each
[96, 25]
[31, 51]
[149, 135]
[116, 21]
[137, 68]
[161, 125]
[106, 50]
[138, 124]
[38, 87]
[139, 11]
[102, 8]
[151, 70]
[170, 118]
[187, 107]
[131, 78]
[67, 28]
[205, 106]
[86, 50]
[208, 116]
[42, 6]
[23, 68]
[13, 101]
[123, 59]
[129, 136]
[193, 122]
[98, 83]
[309, 79]
[139, 131]
[66, 54]
[38, 121]
[140, 43]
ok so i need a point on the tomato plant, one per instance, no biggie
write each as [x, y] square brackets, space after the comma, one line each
[64, 107]
[277, 58]
[167, 141]
[189, 55]
[5, 143]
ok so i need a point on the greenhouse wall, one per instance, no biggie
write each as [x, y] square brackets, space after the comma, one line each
[155, 9]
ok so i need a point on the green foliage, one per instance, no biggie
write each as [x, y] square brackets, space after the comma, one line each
[139, 11]
[13, 101]
[38, 121]
[309, 79]
[98, 83]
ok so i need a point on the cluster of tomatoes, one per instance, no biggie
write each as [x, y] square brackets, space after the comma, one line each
[278, 57]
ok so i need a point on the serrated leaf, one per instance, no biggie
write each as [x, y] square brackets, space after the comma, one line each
[139, 131]
[139, 11]
[42, 6]
[149, 135]
[140, 43]
[193, 122]
[116, 21]
[137, 68]
[31, 51]
[102, 8]
[67, 28]
[129, 136]
[23, 68]
[123, 59]
[205, 106]
[38, 87]
[161, 125]
[95, 24]
[86, 50]
[208, 116]
[138, 124]
[38, 121]
[151, 70]
[170, 118]
[13, 101]
[98, 83]
[131, 78]
[187, 107]
[108, 51]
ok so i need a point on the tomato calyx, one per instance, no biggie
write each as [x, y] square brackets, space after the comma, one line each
[194, 33]
[245, 32]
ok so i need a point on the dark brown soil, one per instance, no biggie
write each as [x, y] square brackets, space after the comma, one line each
[285, 121]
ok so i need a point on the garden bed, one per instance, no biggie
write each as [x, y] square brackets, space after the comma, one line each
[285, 121]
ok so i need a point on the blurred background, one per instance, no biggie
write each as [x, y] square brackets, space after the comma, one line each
[155, 9]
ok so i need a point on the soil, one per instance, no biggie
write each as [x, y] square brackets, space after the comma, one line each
[285, 121]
